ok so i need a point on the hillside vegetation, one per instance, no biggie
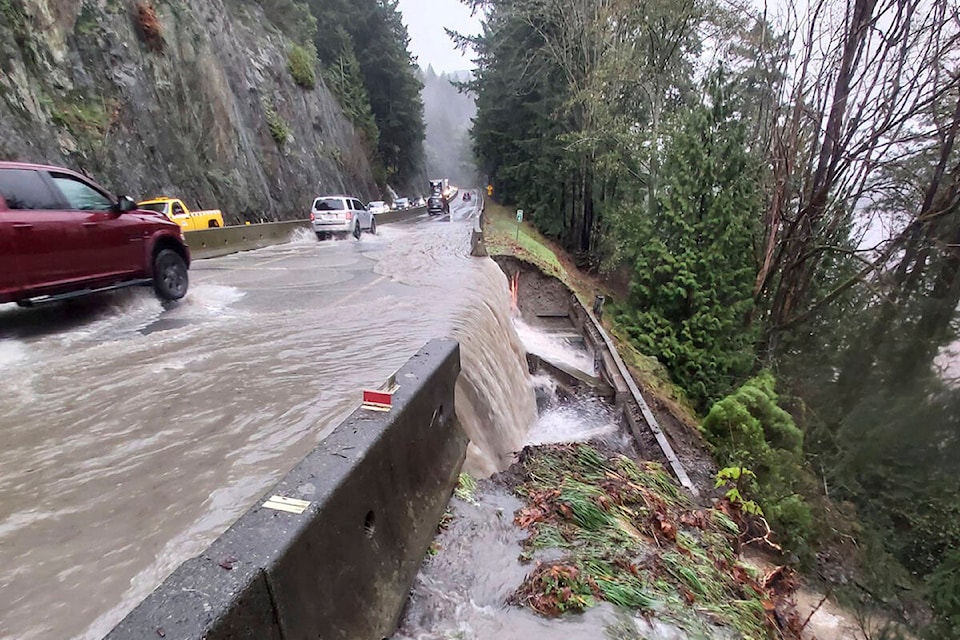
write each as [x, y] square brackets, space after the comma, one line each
[223, 103]
[779, 200]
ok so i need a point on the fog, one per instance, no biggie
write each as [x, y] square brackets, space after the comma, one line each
[448, 113]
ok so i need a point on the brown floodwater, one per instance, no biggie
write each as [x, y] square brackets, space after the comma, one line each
[132, 435]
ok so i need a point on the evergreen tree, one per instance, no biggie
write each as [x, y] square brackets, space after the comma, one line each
[691, 292]
[385, 71]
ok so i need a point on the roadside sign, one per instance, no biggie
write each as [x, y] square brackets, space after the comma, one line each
[489, 190]
[519, 215]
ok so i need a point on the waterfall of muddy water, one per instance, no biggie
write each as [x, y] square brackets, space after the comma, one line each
[494, 395]
[132, 434]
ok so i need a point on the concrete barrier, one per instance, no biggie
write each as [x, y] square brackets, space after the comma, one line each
[377, 488]
[211, 243]
[400, 216]
[222, 241]
[478, 245]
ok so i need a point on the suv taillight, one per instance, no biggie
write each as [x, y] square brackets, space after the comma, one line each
[349, 216]
[312, 217]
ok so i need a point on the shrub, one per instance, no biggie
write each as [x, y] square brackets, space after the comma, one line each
[279, 129]
[944, 585]
[749, 429]
[149, 25]
[301, 61]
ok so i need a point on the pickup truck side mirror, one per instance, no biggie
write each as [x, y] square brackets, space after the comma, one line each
[126, 204]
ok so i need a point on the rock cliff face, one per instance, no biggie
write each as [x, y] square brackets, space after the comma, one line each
[188, 98]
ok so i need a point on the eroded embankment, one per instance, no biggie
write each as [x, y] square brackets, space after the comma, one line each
[661, 434]
[586, 521]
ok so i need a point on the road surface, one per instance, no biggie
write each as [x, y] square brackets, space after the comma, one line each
[131, 435]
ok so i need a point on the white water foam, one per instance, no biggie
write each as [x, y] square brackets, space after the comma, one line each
[554, 348]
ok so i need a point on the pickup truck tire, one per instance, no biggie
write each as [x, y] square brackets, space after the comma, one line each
[213, 224]
[170, 279]
[373, 226]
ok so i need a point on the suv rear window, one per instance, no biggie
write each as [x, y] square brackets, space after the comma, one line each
[328, 204]
[26, 189]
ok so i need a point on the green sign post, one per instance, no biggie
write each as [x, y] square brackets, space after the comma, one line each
[519, 220]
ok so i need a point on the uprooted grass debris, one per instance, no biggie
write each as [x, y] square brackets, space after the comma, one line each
[629, 536]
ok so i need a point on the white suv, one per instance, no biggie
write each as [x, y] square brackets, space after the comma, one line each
[378, 206]
[340, 216]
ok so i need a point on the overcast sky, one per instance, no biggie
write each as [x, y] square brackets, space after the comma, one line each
[426, 19]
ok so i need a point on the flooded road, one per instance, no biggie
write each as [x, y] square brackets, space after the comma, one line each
[131, 435]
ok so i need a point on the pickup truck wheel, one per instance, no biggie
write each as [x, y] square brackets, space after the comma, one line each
[170, 278]
[213, 224]
[373, 226]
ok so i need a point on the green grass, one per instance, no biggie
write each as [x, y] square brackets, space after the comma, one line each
[466, 488]
[626, 530]
[530, 245]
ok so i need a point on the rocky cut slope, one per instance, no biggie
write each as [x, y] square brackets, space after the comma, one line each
[193, 98]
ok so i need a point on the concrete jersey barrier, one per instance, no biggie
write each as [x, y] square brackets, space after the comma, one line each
[213, 243]
[376, 487]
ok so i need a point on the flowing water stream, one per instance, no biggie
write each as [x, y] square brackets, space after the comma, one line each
[462, 591]
[132, 434]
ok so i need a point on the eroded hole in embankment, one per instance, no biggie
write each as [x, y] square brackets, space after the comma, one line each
[504, 555]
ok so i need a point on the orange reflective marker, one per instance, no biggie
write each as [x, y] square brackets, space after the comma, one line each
[381, 399]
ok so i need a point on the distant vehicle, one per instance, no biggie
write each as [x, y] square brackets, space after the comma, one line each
[401, 203]
[177, 211]
[378, 206]
[340, 216]
[437, 205]
[65, 236]
[466, 196]
[420, 202]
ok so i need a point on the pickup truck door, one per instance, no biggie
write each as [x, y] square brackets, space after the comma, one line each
[179, 214]
[9, 262]
[37, 229]
[114, 243]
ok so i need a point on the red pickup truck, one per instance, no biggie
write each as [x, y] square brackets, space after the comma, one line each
[62, 235]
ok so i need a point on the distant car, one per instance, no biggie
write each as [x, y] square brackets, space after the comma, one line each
[466, 196]
[437, 205]
[340, 216]
[420, 202]
[401, 203]
[64, 235]
[378, 206]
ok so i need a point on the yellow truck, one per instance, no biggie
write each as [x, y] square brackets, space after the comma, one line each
[188, 220]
